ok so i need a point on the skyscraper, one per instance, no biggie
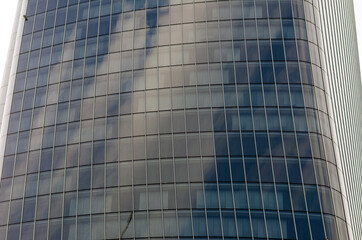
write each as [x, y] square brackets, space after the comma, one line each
[181, 119]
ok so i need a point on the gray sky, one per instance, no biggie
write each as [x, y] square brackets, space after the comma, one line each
[8, 7]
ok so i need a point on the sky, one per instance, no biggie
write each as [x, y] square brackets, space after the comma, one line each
[8, 8]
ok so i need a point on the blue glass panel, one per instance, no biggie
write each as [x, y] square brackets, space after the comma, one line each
[265, 169]
[15, 211]
[278, 51]
[61, 15]
[27, 230]
[288, 29]
[94, 9]
[301, 221]
[41, 230]
[228, 222]
[223, 169]
[240, 197]
[257, 219]
[276, 144]
[306, 73]
[265, 51]
[290, 145]
[69, 204]
[152, 18]
[257, 97]
[254, 195]
[243, 220]
[267, 72]
[248, 144]
[28, 27]
[254, 73]
[8, 167]
[213, 222]
[286, 9]
[243, 96]
[116, 6]
[14, 231]
[326, 200]
[199, 223]
[69, 229]
[92, 28]
[287, 224]
[226, 199]
[291, 50]
[84, 178]
[151, 3]
[252, 51]
[293, 73]
[228, 74]
[31, 8]
[251, 170]
[316, 226]
[272, 222]
[42, 208]
[104, 25]
[39, 22]
[294, 170]
[308, 171]
[241, 73]
[234, 144]
[246, 122]
[304, 51]
[72, 14]
[237, 169]
[283, 197]
[211, 196]
[262, 144]
[219, 120]
[29, 210]
[298, 198]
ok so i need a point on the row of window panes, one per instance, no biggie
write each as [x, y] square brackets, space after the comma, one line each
[179, 33]
[216, 196]
[183, 121]
[86, 151]
[261, 28]
[122, 126]
[171, 170]
[175, 76]
[178, 14]
[167, 99]
[227, 51]
[182, 202]
[147, 124]
[197, 212]
[169, 146]
[169, 224]
[154, 57]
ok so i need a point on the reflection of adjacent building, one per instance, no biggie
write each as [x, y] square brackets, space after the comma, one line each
[135, 119]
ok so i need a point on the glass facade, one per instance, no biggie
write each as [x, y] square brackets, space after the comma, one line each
[174, 119]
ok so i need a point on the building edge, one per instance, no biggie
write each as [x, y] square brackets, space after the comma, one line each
[8, 81]
[344, 82]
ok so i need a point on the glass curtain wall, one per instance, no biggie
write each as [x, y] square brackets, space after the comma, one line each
[171, 119]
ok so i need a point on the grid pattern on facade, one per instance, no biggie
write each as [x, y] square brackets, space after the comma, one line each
[141, 119]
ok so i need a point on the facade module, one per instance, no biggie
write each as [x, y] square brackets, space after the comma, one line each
[181, 119]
